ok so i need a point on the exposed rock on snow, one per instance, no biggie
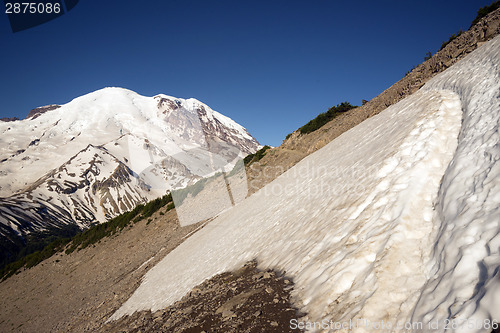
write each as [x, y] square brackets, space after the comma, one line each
[37, 112]
[247, 300]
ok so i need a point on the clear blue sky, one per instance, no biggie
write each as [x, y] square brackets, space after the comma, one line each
[269, 65]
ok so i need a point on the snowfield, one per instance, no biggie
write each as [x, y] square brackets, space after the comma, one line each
[465, 280]
[395, 221]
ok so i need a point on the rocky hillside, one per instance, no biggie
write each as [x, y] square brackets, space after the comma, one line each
[298, 145]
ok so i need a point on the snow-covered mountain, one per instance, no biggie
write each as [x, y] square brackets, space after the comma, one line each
[393, 226]
[103, 153]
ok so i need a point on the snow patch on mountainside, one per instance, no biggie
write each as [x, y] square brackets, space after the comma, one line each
[395, 220]
[465, 268]
[337, 241]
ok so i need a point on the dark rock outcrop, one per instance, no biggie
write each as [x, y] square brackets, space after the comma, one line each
[7, 119]
[247, 300]
[37, 112]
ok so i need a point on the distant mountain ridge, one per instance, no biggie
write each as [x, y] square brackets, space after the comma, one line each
[102, 154]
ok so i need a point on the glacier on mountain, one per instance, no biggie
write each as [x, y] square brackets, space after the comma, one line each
[105, 152]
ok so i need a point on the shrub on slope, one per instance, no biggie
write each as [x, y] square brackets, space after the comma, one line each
[325, 117]
[483, 11]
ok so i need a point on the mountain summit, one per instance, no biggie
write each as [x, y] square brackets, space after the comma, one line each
[102, 154]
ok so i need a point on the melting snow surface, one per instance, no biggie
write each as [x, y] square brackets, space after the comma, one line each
[396, 220]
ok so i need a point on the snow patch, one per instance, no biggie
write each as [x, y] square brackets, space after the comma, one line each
[407, 233]
[341, 257]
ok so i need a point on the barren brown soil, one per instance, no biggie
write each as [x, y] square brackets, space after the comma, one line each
[78, 292]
